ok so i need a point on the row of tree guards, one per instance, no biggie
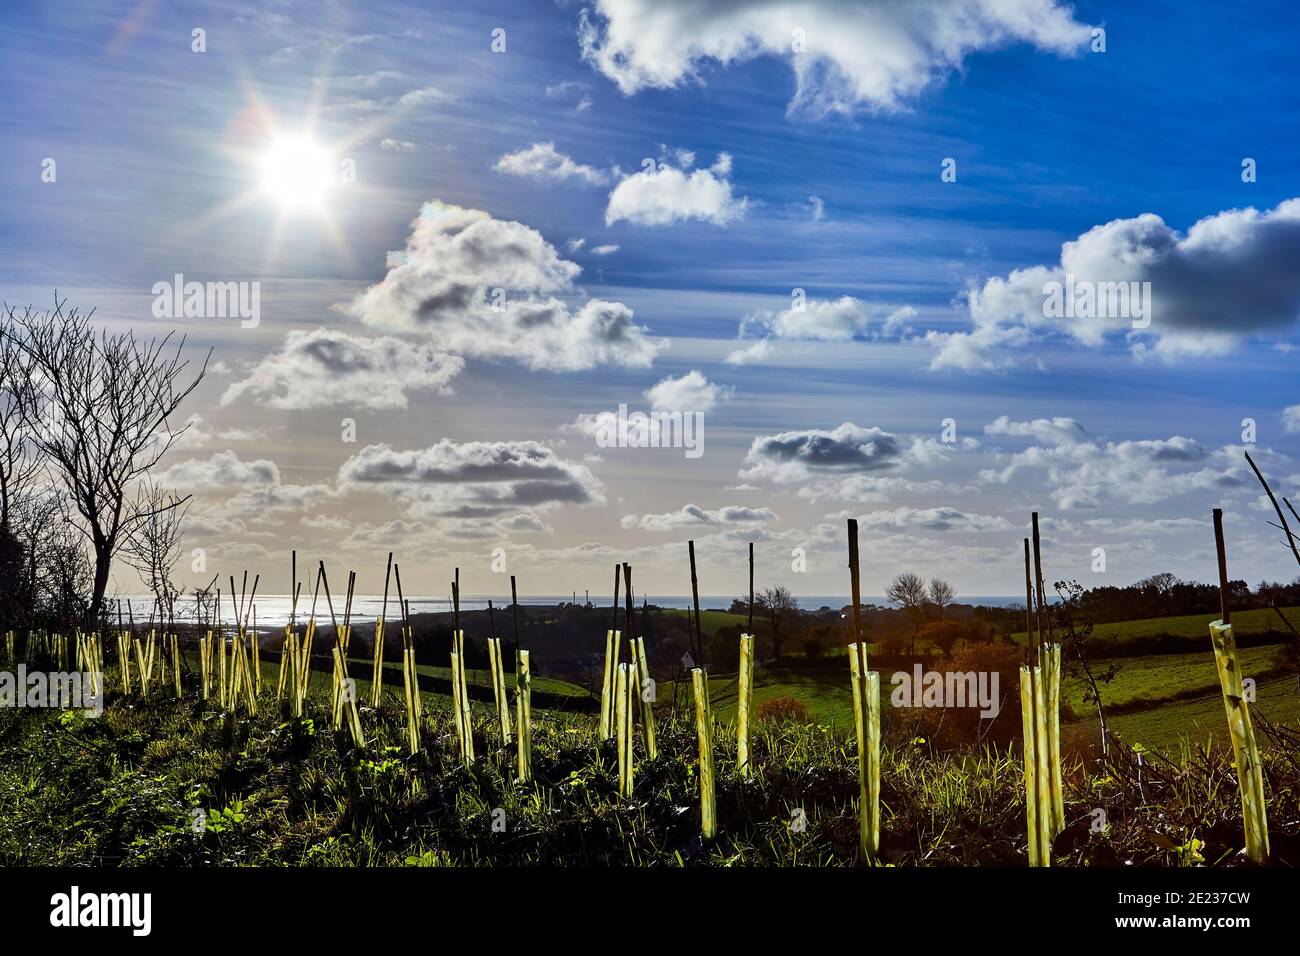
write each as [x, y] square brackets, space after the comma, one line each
[230, 675]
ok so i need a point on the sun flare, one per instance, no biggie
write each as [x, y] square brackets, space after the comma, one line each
[297, 172]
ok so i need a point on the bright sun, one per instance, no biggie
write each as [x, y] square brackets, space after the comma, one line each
[297, 172]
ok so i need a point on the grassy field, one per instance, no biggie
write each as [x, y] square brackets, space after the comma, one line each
[174, 783]
[1246, 625]
[710, 621]
[1158, 699]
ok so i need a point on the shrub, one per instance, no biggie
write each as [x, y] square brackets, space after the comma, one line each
[783, 708]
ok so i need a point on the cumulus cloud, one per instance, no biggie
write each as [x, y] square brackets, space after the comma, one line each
[1047, 430]
[1230, 276]
[358, 372]
[793, 457]
[846, 54]
[691, 392]
[818, 320]
[542, 162]
[931, 519]
[1082, 472]
[605, 250]
[486, 287]
[1291, 419]
[472, 479]
[259, 486]
[848, 462]
[666, 195]
[693, 516]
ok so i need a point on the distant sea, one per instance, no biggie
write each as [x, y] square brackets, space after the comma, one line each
[273, 609]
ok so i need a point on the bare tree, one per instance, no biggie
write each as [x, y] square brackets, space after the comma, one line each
[19, 467]
[941, 594]
[908, 591]
[98, 410]
[153, 543]
[779, 606]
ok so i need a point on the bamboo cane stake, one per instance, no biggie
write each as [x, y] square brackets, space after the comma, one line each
[1043, 778]
[642, 671]
[1030, 765]
[613, 651]
[866, 718]
[466, 714]
[1051, 669]
[250, 690]
[457, 712]
[704, 731]
[1250, 771]
[744, 694]
[524, 715]
[377, 670]
[499, 687]
[176, 664]
[143, 666]
[623, 727]
[348, 702]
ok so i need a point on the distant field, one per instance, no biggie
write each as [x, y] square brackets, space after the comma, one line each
[710, 621]
[1178, 695]
[1244, 624]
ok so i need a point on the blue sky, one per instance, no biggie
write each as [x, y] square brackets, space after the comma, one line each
[158, 151]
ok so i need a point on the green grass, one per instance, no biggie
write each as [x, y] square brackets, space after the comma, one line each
[1245, 624]
[1157, 677]
[174, 783]
[710, 621]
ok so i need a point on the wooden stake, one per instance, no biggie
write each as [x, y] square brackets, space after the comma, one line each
[854, 579]
[695, 599]
[1250, 771]
[1038, 578]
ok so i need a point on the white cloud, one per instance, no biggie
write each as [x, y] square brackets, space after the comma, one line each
[396, 145]
[325, 368]
[606, 250]
[693, 516]
[424, 96]
[1052, 431]
[691, 392]
[1230, 276]
[472, 479]
[853, 53]
[1084, 473]
[931, 519]
[260, 487]
[486, 287]
[822, 319]
[795, 457]
[759, 351]
[542, 161]
[1291, 419]
[666, 195]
